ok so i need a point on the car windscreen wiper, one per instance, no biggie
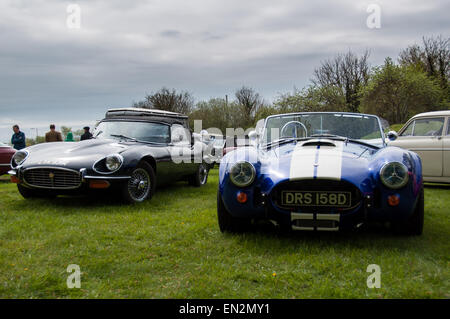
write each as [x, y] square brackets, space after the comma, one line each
[136, 140]
[124, 137]
[345, 139]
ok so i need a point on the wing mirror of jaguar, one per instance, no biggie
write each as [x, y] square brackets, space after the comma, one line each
[392, 135]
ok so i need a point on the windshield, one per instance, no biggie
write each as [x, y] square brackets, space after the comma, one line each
[141, 131]
[359, 127]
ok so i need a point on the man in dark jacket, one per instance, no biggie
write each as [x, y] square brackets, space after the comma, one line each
[18, 138]
[87, 135]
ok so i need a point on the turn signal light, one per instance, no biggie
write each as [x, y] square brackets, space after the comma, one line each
[99, 184]
[14, 179]
[393, 200]
[241, 197]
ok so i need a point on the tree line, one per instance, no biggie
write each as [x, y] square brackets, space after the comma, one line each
[417, 81]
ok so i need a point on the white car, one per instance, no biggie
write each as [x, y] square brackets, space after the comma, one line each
[428, 134]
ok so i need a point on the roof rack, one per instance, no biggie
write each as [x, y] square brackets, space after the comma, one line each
[134, 111]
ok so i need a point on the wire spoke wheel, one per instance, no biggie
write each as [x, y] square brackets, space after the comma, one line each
[139, 185]
[203, 174]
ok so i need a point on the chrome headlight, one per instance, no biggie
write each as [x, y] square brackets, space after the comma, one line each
[394, 175]
[18, 158]
[113, 162]
[242, 174]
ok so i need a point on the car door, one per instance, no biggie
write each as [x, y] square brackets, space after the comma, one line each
[446, 151]
[181, 150]
[424, 136]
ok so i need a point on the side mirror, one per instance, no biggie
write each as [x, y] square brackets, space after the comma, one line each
[253, 138]
[392, 135]
[253, 135]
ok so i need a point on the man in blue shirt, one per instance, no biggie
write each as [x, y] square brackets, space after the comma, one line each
[18, 138]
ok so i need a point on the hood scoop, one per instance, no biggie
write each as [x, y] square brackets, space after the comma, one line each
[319, 143]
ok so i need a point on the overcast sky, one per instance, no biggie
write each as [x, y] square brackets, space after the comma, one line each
[50, 73]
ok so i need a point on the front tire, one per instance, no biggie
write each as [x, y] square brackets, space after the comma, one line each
[141, 185]
[227, 222]
[414, 225]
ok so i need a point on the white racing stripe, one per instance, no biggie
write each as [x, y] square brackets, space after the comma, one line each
[327, 160]
[302, 162]
[330, 161]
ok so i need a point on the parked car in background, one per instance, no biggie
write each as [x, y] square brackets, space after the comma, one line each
[324, 171]
[133, 151]
[213, 151]
[6, 153]
[427, 134]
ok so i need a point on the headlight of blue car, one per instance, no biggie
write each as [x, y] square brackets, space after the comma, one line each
[18, 158]
[394, 175]
[113, 162]
[242, 174]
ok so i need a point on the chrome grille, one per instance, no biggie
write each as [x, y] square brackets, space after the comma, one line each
[52, 178]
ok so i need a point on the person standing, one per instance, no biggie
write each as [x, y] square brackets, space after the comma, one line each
[69, 137]
[87, 135]
[18, 138]
[53, 135]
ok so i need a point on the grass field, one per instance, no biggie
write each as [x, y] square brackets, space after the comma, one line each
[171, 247]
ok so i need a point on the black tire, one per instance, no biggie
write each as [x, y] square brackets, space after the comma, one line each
[34, 193]
[414, 225]
[141, 185]
[227, 222]
[200, 177]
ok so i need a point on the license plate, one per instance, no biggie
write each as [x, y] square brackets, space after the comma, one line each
[316, 198]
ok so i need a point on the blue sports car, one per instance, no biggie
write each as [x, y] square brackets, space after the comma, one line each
[324, 171]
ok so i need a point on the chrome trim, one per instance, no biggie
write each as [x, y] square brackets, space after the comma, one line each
[104, 158]
[429, 149]
[107, 177]
[9, 165]
[295, 216]
[335, 217]
[18, 165]
[12, 173]
[54, 168]
[327, 229]
[308, 216]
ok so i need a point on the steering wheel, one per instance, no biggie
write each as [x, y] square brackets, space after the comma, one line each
[294, 125]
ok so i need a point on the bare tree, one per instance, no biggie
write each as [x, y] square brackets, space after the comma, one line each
[347, 72]
[168, 100]
[250, 101]
[433, 57]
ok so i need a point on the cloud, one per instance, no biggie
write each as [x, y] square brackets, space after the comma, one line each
[208, 47]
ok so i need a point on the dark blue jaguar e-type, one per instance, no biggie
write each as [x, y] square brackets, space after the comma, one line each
[321, 171]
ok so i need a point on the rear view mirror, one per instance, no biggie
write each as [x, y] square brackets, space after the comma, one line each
[392, 135]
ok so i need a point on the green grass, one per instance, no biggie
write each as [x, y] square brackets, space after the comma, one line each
[171, 247]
